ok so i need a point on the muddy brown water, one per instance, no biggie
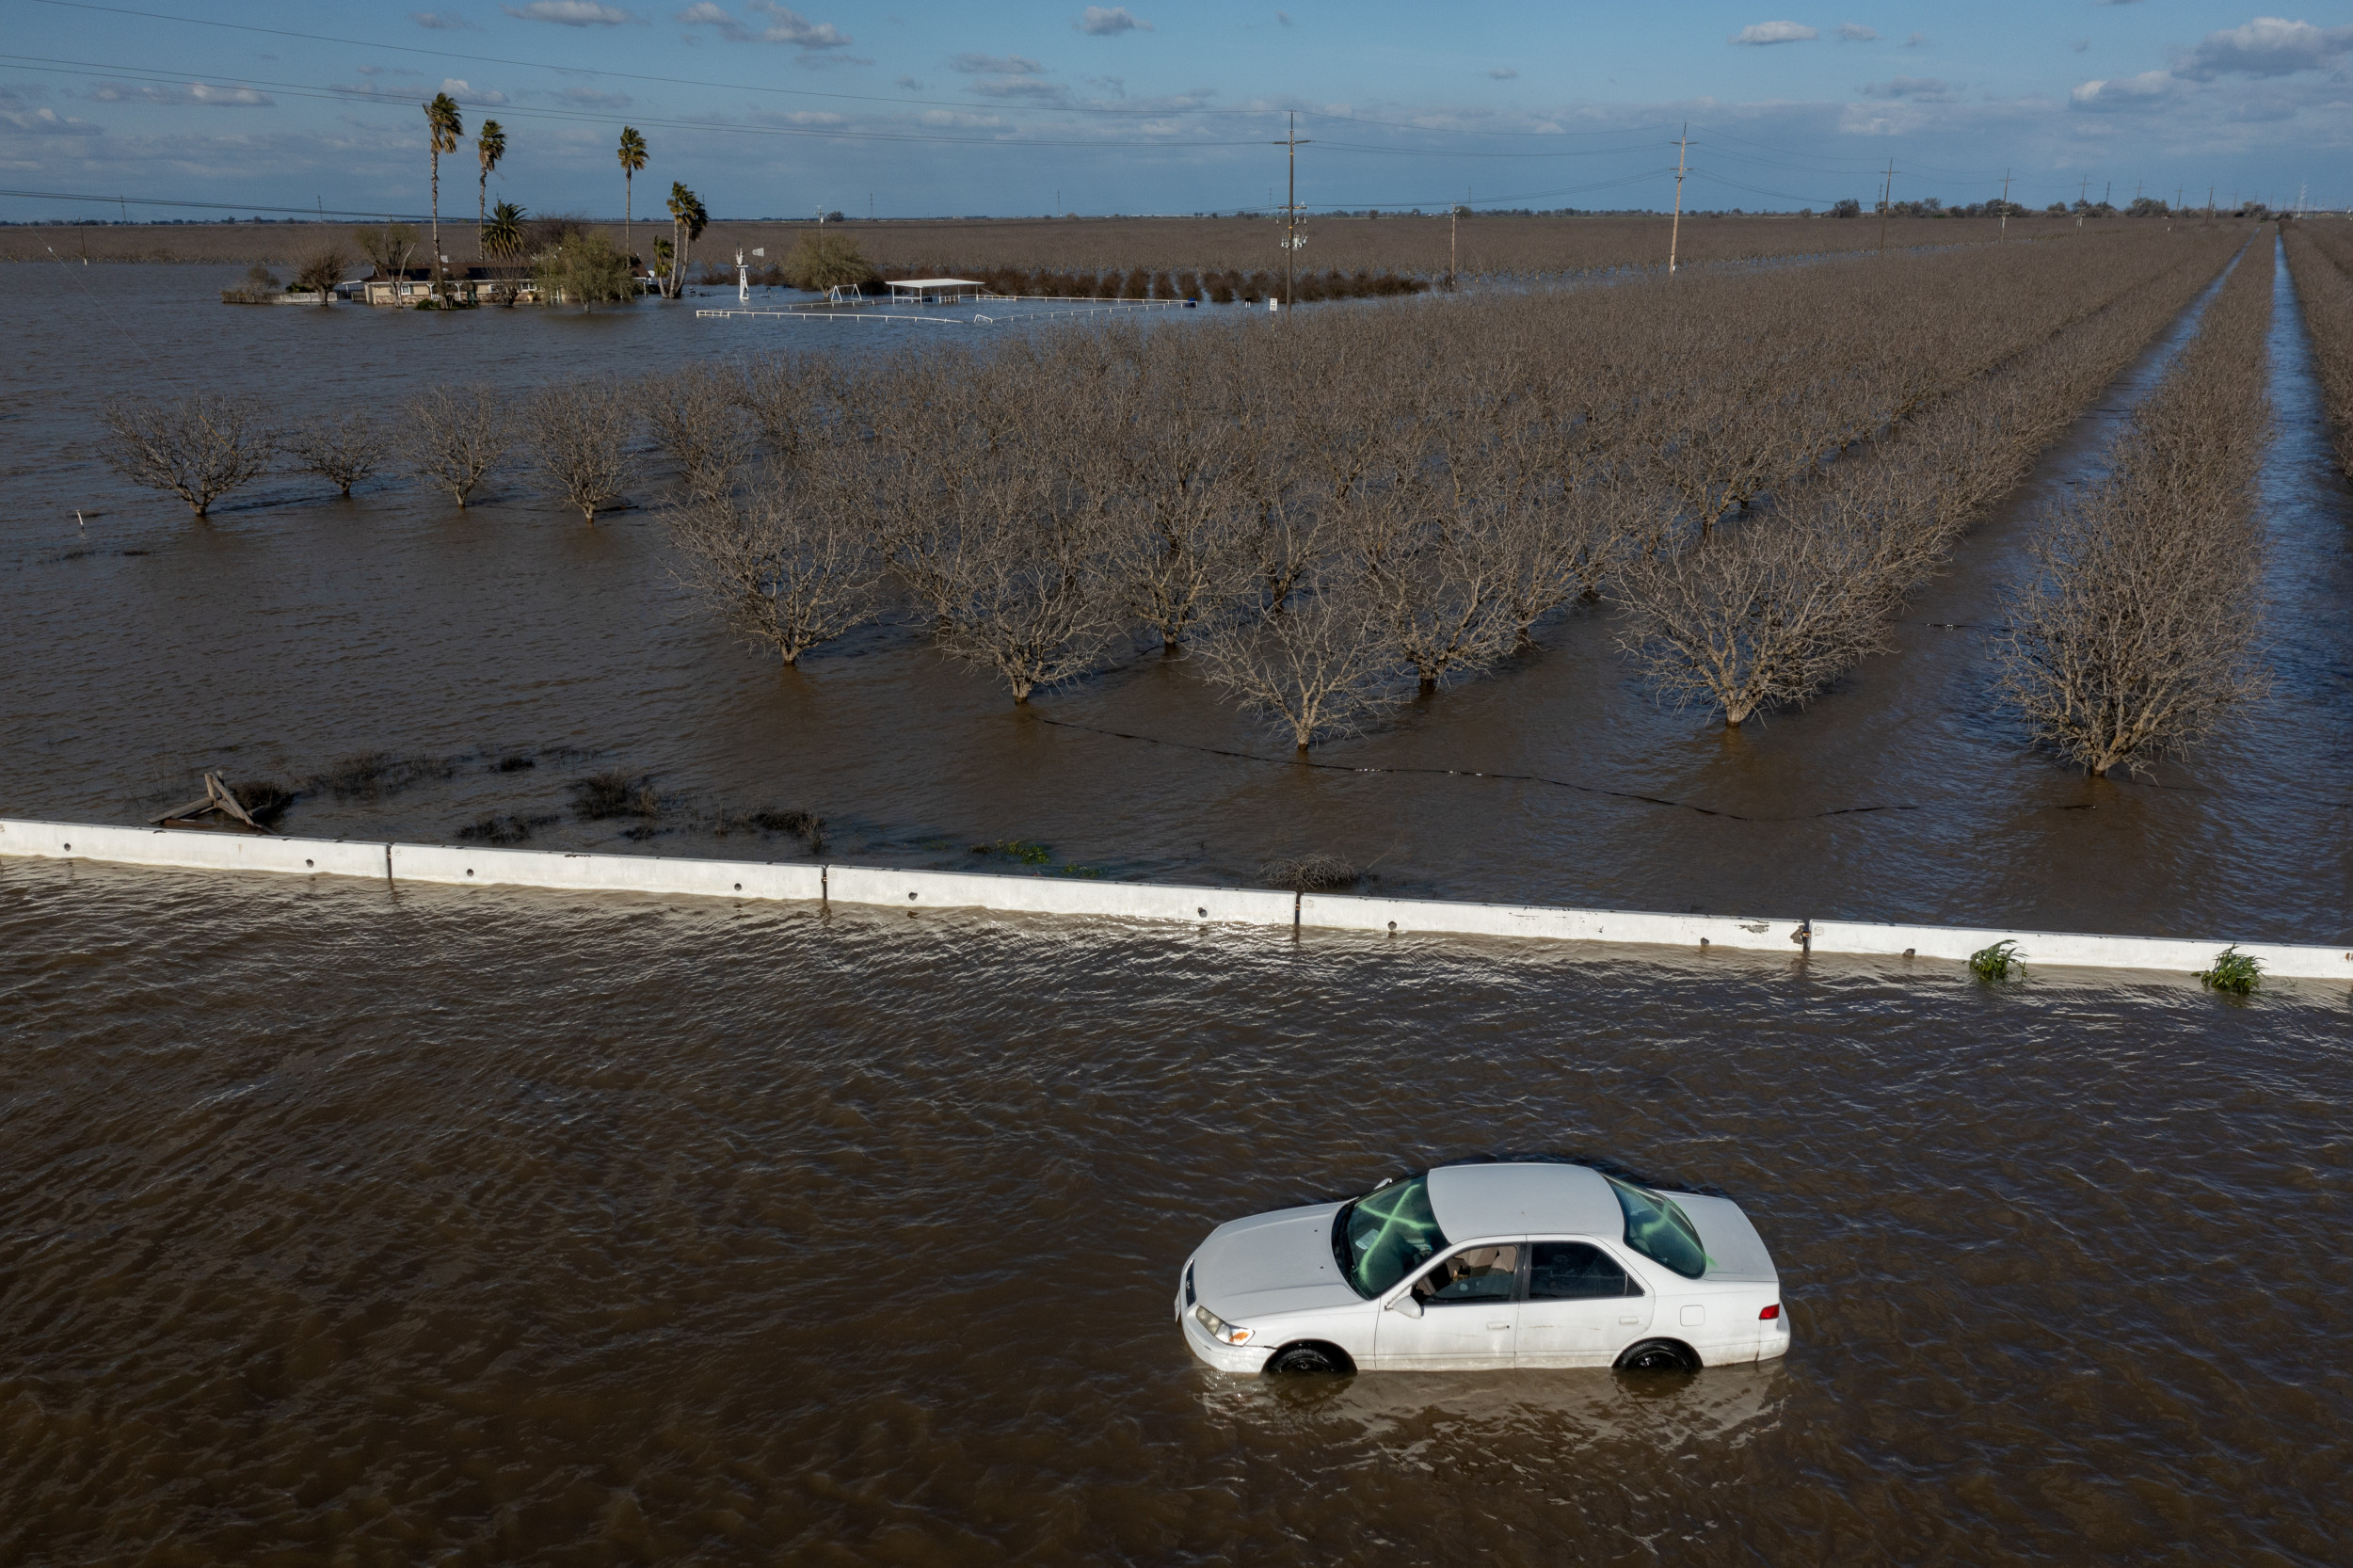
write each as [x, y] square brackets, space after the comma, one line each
[141, 647]
[455, 1226]
[346, 1225]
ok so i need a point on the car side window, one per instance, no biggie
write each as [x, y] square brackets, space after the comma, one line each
[1473, 1274]
[1575, 1271]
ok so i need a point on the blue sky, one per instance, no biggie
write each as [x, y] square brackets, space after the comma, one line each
[926, 108]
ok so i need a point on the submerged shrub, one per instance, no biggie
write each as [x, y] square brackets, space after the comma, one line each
[507, 829]
[603, 795]
[1310, 873]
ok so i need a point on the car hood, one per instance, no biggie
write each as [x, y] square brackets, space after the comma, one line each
[1734, 1249]
[1278, 1262]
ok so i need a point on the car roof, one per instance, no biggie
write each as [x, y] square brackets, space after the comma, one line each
[1523, 1200]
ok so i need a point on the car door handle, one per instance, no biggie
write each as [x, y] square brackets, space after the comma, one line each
[1629, 1320]
[1498, 1326]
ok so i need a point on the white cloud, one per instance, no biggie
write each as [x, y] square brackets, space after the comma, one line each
[2268, 46]
[1775, 32]
[571, 13]
[2147, 90]
[1504, 74]
[908, 84]
[791, 26]
[465, 92]
[447, 22]
[197, 94]
[1915, 41]
[705, 15]
[1854, 32]
[47, 122]
[996, 65]
[1104, 22]
[1284, 18]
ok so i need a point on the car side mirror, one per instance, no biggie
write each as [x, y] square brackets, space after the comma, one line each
[1407, 1303]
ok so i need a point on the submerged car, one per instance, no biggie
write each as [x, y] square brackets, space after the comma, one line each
[1487, 1264]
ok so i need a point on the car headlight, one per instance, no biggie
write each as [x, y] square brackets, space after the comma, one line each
[1220, 1329]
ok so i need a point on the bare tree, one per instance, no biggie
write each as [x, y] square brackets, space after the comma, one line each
[1022, 577]
[198, 448]
[342, 451]
[577, 435]
[792, 570]
[699, 419]
[321, 270]
[1320, 670]
[2134, 639]
[1754, 617]
[451, 438]
[2136, 634]
[1440, 584]
[783, 393]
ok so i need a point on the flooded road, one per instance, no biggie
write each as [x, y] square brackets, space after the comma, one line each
[296, 631]
[470, 1226]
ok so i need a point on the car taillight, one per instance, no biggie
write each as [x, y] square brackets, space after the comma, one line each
[1769, 1313]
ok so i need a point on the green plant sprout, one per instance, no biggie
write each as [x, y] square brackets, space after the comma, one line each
[2233, 971]
[1997, 963]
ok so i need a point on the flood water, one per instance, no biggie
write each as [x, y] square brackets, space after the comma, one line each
[346, 1224]
[295, 631]
[339, 1225]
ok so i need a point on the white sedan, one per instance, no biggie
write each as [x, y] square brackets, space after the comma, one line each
[1486, 1264]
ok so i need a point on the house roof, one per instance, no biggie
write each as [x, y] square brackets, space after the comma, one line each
[938, 284]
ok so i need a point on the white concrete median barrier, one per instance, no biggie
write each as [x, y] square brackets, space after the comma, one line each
[1051, 894]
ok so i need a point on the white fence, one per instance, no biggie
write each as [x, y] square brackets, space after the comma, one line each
[809, 882]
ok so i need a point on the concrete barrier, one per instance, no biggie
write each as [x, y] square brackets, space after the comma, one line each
[194, 851]
[882, 888]
[610, 874]
[1057, 895]
[1341, 912]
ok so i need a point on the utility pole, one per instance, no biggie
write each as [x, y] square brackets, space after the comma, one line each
[1451, 222]
[1887, 195]
[1674, 234]
[2209, 206]
[1290, 210]
[2083, 199]
[2002, 234]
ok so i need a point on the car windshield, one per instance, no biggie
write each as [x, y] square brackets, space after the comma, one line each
[1659, 1230]
[1384, 1236]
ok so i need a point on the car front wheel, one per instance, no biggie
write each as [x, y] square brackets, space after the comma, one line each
[1309, 1359]
[1657, 1355]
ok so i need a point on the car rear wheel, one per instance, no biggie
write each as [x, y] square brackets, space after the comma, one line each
[1657, 1355]
[1309, 1360]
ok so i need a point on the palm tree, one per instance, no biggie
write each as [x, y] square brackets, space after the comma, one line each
[687, 221]
[491, 146]
[502, 236]
[444, 126]
[632, 159]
